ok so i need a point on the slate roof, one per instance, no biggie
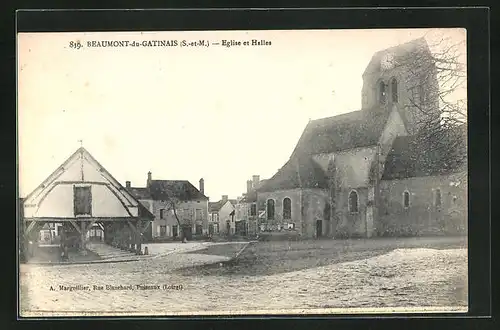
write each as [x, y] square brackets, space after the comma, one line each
[297, 173]
[409, 157]
[165, 189]
[346, 131]
[410, 48]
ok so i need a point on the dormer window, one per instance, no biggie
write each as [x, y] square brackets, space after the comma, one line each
[394, 90]
[382, 92]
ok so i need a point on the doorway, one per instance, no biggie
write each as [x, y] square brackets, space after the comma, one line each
[319, 228]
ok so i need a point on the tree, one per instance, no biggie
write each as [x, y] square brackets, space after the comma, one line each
[171, 205]
[171, 194]
[436, 105]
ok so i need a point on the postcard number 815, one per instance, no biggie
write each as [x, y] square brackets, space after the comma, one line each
[75, 44]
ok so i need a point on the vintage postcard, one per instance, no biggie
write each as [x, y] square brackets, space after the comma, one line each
[242, 172]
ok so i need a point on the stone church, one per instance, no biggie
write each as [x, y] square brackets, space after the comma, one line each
[357, 174]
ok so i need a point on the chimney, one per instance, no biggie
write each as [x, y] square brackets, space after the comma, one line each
[256, 179]
[249, 186]
[202, 186]
[127, 184]
[224, 198]
[149, 179]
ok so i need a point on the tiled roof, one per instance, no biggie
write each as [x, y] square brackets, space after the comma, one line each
[180, 189]
[165, 189]
[297, 173]
[323, 136]
[140, 193]
[347, 131]
[216, 206]
[410, 157]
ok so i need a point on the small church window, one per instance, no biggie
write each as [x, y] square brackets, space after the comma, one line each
[353, 201]
[437, 200]
[287, 208]
[162, 213]
[394, 90]
[270, 209]
[82, 200]
[382, 92]
[406, 199]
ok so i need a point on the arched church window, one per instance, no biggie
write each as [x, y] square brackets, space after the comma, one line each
[270, 209]
[353, 201]
[287, 208]
[394, 90]
[406, 199]
[382, 92]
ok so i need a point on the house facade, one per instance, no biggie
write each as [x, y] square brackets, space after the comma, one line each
[222, 216]
[177, 206]
[344, 178]
[246, 209]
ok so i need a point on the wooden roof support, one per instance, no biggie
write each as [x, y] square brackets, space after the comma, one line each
[76, 226]
[30, 228]
[148, 223]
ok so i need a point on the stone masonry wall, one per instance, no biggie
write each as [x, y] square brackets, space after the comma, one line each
[422, 216]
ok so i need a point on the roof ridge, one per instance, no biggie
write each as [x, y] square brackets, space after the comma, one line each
[339, 115]
[180, 180]
[407, 43]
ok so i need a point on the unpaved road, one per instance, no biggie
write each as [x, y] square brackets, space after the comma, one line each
[406, 277]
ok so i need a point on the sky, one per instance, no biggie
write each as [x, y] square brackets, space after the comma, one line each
[185, 113]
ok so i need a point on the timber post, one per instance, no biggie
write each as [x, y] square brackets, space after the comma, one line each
[138, 238]
[83, 238]
[123, 237]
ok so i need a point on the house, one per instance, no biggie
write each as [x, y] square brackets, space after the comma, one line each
[246, 208]
[173, 203]
[222, 215]
[80, 194]
[355, 174]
